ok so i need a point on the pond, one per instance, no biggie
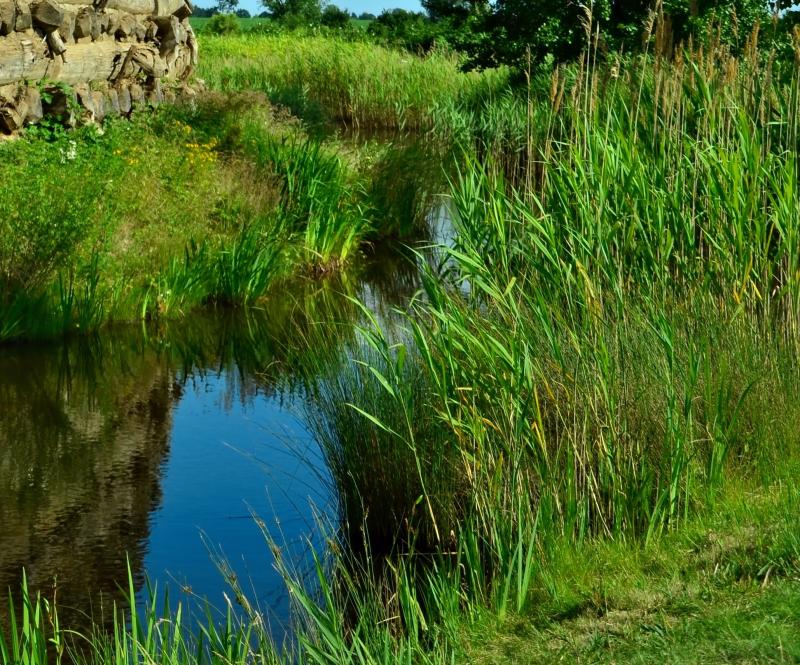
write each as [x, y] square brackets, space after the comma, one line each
[154, 446]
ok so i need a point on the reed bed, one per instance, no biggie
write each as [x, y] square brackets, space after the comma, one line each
[607, 346]
[623, 283]
[354, 83]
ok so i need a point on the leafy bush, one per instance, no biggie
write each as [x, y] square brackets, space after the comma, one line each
[410, 30]
[223, 24]
[334, 17]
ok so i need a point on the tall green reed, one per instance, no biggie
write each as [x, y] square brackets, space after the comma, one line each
[354, 83]
[610, 337]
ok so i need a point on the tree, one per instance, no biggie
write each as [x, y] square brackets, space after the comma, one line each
[457, 10]
[294, 12]
[204, 12]
[506, 30]
[412, 30]
[227, 6]
[333, 17]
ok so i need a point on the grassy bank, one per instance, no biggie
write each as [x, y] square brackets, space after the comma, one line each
[583, 445]
[722, 589]
[359, 84]
[193, 205]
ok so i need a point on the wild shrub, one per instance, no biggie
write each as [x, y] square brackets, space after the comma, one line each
[223, 24]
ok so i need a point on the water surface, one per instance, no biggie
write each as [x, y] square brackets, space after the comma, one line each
[154, 447]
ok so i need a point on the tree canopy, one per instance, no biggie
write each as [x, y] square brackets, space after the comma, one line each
[294, 11]
[504, 30]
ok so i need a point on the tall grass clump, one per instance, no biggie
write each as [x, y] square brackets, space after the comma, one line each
[320, 202]
[330, 79]
[607, 347]
[141, 633]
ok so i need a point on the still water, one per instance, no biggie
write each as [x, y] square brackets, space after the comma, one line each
[158, 445]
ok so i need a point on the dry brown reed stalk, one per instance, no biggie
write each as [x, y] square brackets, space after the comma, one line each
[664, 37]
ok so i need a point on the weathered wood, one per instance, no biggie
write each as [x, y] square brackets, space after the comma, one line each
[11, 119]
[67, 27]
[83, 96]
[23, 58]
[170, 7]
[194, 49]
[124, 99]
[56, 44]
[185, 11]
[47, 14]
[112, 102]
[139, 7]
[154, 95]
[137, 95]
[126, 25]
[113, 53]
[24, 20]
[34, 100]
[170, 33]
[147, 60]
[8, 16]
[9, 94]
[83, 23]
[99, 104]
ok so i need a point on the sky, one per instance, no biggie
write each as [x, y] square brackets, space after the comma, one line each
[357, 6]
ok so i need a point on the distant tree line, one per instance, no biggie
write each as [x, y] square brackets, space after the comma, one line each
[490, 32]
[297, 12]
[506, 30]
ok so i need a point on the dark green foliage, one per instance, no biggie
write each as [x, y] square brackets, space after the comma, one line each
[295, 12]
[507, 30]
[410, 30]
[334, 17]
[41, 222]
[204, 12]
[223, 24]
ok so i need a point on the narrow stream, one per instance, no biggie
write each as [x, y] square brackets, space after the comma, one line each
[157, 446]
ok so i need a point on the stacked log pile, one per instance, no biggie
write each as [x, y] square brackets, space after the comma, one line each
[98, 57]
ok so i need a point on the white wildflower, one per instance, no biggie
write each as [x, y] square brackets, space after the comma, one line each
[70, 153]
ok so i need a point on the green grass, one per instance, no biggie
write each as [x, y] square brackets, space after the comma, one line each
[580, 442]
[324, 79]
[246, 24]
[723, 589]
[193, 205]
